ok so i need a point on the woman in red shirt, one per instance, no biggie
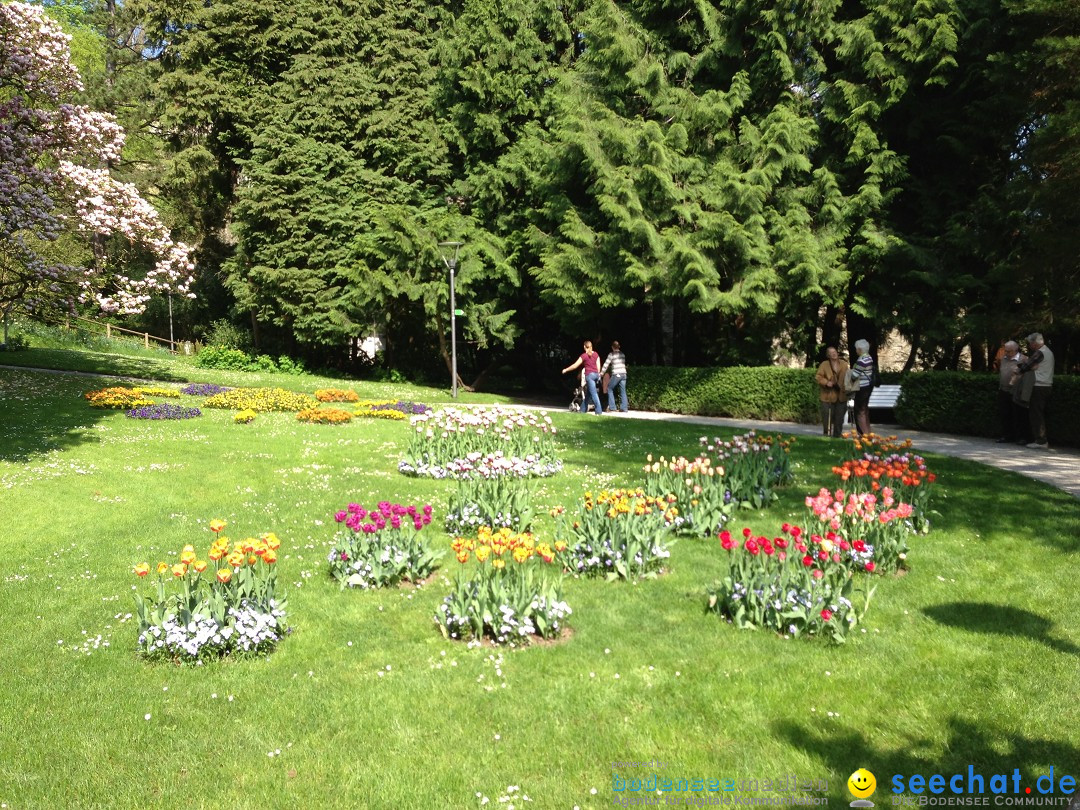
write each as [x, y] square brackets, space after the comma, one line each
[590, 360]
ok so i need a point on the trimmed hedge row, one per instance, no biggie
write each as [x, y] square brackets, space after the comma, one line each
[943, 402]
[758, 392]
[959, 402]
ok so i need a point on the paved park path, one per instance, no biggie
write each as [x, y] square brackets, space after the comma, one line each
[1059, 466]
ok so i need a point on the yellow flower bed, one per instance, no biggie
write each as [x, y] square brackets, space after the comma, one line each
[156, 391]
[261, 400]
[117, 397]
[370, 414]
[335, 395]
[324, 416]
[244, 416]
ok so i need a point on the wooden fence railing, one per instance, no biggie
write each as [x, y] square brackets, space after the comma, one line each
[108, 329]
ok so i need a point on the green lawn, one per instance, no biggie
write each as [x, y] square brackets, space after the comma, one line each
[971, 658]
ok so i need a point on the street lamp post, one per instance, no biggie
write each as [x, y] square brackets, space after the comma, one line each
[449, 252]
[172, 343]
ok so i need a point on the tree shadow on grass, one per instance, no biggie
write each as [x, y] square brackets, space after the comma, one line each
[1001, 620]
[42, 413]
[987, 749]
[92, 362]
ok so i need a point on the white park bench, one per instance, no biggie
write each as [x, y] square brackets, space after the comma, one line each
[883, 396]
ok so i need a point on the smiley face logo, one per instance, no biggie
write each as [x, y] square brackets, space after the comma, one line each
[862, 784]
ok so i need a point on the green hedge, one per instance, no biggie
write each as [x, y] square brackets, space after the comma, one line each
[761, 392]
[943, 402]
[962, 402]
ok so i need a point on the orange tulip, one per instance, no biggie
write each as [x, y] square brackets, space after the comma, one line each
[269, 556]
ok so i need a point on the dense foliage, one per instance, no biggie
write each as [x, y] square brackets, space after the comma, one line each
[706, 182]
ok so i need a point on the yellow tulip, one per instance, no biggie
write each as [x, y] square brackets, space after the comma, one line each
[142, 569]
[179, 570]
[200, 565]
[187, 557]
[162, 567]
[269, 556]
[224, 575]
[217, 525]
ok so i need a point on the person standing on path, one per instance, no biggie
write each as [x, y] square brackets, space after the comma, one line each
[864, 372]
[589, 361]
[616, 364]
[1040, 364]
[830, 379]
[1009, 412]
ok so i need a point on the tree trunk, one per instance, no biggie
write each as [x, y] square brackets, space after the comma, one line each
[254, 330]
[667, 333]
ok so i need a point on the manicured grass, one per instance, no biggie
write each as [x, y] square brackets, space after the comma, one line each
[971, 658]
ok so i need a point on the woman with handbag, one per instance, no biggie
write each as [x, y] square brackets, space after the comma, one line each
[862, 371]
[830, 379]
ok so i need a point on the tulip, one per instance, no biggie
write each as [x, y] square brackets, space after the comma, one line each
[142, 569]
[224, 575]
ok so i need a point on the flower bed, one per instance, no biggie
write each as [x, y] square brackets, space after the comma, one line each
[882, 461]
[698, 486]
[261, 400]
[877, 520]
[157, 391]
[117, 397]
[244, 417]
[398, 409]
[513, 594]
[198, 610]
[203, 389]
[499, 502]
[754, 466]
[335, 395]
[324, 416]
[381, 547]
[489, 466]
[618, 534]
[792, 584]
[164, 411]
[481, 442]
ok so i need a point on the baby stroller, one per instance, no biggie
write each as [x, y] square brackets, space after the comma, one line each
[580, 393]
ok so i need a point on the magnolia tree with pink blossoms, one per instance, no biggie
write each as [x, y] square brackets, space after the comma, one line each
[54, 179]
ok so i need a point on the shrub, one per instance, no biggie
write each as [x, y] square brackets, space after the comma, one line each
[227, 335]
[324, 416]
[966, 402]
[514, 592]
[220, 357]
[15, 343]
[335, 395]
[381, 548]
[164, 411]
[261, 400]
[785, 394]
[226, 608]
